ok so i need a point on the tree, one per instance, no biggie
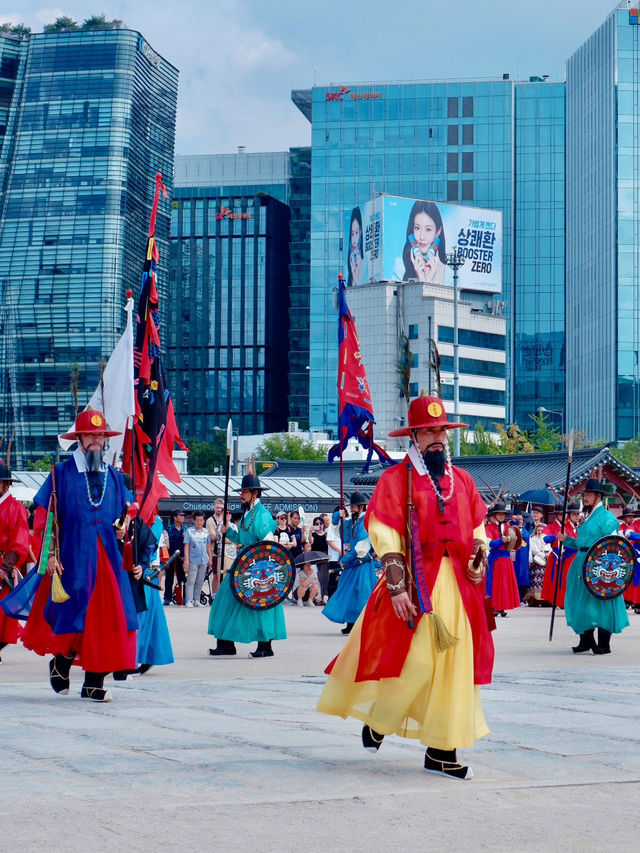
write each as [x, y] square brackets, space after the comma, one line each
[43, 464]
[544, 437]
[20, 30]
[62, 24]
[282, 445]
[207, 456]
[482, 445]
[629, 454]
[513, 440]
[97, 22]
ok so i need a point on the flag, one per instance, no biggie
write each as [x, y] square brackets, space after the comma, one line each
[155, 426]
[114, 395]
[355, 409]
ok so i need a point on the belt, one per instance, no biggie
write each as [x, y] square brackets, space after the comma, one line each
[584, 549]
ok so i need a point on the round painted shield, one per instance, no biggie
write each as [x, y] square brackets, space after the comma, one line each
[609, 567]
[262, 575]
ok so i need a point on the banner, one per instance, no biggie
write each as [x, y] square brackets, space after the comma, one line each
[405, 239]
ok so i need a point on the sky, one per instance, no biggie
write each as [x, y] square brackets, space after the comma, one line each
[239, 59]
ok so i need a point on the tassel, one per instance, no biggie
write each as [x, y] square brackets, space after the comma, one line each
[58, 592]
[443, 639]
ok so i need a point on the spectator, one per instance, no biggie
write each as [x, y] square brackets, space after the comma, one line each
[176, 543]
[281, 533]
[334, 551]
[320, 543]
[198, 554]
[306, 583]
[539, 551]
[214, 523]
[296, 532]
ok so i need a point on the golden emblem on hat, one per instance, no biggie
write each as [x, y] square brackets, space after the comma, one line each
[96, 420]
[434, 409]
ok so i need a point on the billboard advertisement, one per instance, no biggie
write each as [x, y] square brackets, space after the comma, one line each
[406, 239]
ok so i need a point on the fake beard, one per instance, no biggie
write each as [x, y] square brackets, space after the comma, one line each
[435, 462]
[94, 459]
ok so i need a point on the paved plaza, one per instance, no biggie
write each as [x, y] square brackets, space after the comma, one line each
[230, 755]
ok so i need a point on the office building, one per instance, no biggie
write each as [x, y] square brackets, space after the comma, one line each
[603, 224]
[238, 331]
[495, 144]
[91, 121]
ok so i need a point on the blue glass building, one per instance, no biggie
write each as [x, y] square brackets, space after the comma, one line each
[603, 227]
[494, 144]
[91, 121]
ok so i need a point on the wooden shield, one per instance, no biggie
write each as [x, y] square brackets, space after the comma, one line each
[609, 566]
[262, 575]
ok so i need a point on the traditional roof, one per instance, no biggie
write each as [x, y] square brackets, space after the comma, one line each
[510, 475]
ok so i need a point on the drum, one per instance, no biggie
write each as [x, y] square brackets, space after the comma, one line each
[262, 575]
[609, 566]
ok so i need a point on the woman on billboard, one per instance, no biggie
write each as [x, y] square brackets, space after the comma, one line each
[354, 275]
[424, 254]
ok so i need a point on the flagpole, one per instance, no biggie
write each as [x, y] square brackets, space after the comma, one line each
[226, 498]
[340, 288]
[560, 555]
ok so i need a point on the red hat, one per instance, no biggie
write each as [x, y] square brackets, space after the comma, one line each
[90, 422]
[426, 412]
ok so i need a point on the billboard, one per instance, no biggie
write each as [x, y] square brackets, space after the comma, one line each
[406, 239]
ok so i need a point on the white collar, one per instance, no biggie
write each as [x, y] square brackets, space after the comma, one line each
[6, 495]
[81, 462]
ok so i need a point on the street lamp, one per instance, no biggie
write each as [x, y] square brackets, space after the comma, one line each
[455, 259]
[541, 410]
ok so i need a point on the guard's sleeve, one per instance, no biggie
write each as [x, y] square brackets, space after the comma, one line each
[384, 539]
[19, 531]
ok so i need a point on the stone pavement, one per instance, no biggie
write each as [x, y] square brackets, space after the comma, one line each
[230, 755]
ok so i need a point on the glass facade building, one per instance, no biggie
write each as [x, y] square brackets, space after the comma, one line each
[91, 121]
[603, 230]
[475, 142]
[235, 327]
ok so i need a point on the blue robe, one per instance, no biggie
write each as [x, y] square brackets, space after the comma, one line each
[154, 642]
[357, 580]
[583, 610]
[228, 619]
[521, 562]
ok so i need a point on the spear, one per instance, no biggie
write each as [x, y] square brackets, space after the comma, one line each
[226, 497]
[564, 518]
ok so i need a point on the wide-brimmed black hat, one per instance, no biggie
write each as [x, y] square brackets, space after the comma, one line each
[311, 557]
[496, 508]
[573, 507]
[357, 499]
[594, 485]
[628, 510]
[5, 473]
[251, 482]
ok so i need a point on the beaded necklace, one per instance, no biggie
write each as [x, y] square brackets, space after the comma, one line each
[421, 467]
[242, 527]
[104, 488]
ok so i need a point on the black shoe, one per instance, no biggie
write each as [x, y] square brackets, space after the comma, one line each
[347, 628]
[447, 768]
[371, 740]
[223, 649]
[98, 694]
[123, 674]
[144, 667]
[503, 613]
[600, 650]
[261, 653]
[58, 682]
[583, 647]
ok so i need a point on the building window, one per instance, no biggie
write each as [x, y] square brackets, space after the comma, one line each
[452, 162]
[413, 389]
[488, 396]
[414, 363]
[452, 191]
[452, 134]
[474, 366]
[452, 108]
[467, 161]
[467, 134]
[413, 332]
[469, 338]
[467, 107]
[467, 191]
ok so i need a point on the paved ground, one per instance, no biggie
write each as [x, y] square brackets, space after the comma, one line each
[230, 755]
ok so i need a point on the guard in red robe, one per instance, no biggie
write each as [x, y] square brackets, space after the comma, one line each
[502, 586]
[14, 548]
[571, 529]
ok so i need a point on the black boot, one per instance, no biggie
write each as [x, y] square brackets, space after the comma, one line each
[371, 739]
[586, 644]
[93, 687]
[224, 648]
[347, 628]
[59, 669]
[144, 667]
[264, 650]
[445, 763]
[604, 639]
[123, 674]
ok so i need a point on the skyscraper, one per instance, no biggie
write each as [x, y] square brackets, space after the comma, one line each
[91, 120]
[603, 228]
[495, 144]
